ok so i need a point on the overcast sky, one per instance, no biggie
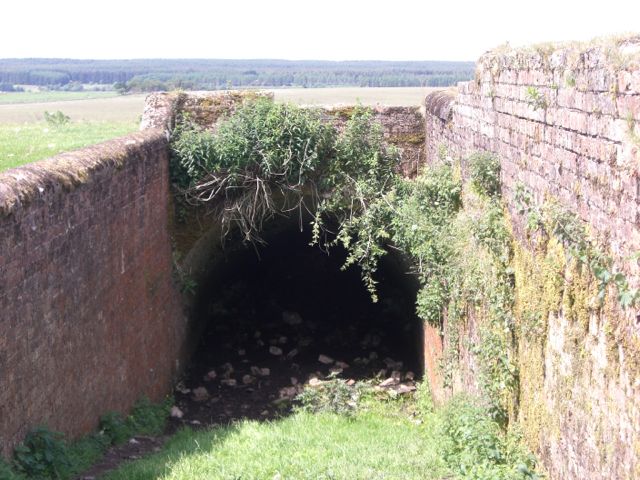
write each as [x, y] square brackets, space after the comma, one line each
[299, 29]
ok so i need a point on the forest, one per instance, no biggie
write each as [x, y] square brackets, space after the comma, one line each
[207, 74]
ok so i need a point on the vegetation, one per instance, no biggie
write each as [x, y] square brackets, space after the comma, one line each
[24, 143]
[45, 454]
[345, 432]
[348, 183]
[164, 74]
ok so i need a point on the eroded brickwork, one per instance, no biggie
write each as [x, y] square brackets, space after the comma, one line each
[89, 315]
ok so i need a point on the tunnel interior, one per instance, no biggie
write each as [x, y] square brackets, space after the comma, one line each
[274, 316]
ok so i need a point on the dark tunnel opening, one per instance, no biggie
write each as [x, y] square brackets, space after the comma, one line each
[274, 317]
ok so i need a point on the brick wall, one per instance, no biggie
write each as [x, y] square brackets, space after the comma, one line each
[565, 123]
[89, 315]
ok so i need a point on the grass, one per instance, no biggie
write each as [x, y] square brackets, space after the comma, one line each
[24, 143]
[378, 442]
[50, 96]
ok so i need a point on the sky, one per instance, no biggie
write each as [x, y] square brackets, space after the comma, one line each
[299, 29]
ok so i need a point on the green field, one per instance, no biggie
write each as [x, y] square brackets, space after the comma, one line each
[28, 142]
[10, 98]
[98, 116]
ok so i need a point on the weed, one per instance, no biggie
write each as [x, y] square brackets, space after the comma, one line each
[43, 454]
[115, 428]
[56, 119]
[535, 99]
[476, 448]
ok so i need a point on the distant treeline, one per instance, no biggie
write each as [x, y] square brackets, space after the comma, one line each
[159, 74]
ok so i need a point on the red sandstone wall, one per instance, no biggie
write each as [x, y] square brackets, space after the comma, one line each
[90, 320]
[578, 145]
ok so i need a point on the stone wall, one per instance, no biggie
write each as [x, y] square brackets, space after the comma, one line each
[89, 315]
[565, 123]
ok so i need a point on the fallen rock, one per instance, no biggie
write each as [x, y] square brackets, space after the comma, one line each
[292, 353]
[229, 382]
[200, 394]
[265, 372]
[242, 352]
[314, 382]
[248, 379]
[351, 382]
[402, 388]
[409, 376]
[388, 382]
[325, 359]
[133, 441]
[176, 412]
[273, 350]
[291, 318]
[211, 375]
[288, 392]
[335, 370]
[282, 340]
[342, 365]
[182, 389]
[294, 381]
[195, 422]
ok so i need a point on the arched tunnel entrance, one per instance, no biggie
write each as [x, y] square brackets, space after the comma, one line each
[276, 316]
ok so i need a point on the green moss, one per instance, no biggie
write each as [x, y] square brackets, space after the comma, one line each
[412, 138]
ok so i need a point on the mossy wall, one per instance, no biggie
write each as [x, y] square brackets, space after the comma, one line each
[563, 120]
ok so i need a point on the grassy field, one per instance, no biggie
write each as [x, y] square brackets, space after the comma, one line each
[109, 109]
[24, 143]
[129, 107]
[98, 116]
[9, 98]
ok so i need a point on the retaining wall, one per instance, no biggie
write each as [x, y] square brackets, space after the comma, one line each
[89, 315]
[565, 123]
